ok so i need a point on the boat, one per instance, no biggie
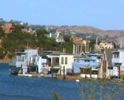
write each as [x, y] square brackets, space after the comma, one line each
[45, 62]
[24, 62]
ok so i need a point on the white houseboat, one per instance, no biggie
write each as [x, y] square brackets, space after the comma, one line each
[44, 62]
[118, 62]
[24, 62]
[62, 61]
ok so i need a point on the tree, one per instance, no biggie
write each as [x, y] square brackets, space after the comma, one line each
[41, 32]
[92, 45]
[18, 28]
[2, 53]
[19, 41]
[1, 32]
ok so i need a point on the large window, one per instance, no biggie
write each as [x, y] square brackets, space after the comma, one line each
[62, 60]
[66, 60]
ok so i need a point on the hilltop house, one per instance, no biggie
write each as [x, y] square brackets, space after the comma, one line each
[8, 27]
[58, 36]
[103, 44]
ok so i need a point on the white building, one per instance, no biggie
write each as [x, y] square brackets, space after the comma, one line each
[41, 63]
[24, 59]
[64, 61]
[118, 57]
[59, 37]
[118, 62]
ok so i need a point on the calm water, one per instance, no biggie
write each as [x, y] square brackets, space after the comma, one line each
[25, 88]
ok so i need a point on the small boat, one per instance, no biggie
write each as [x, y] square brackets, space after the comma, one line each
[14, 70]
[29, 75]
[77, 81]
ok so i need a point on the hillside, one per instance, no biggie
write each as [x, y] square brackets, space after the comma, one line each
[116, 35]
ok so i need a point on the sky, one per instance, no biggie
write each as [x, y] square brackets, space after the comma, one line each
[104, 14]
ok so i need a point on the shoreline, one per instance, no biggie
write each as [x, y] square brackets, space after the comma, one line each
[76, 78]
[4, 61]
[67, 77]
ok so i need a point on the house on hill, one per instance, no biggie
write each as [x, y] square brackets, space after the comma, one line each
[8, 28]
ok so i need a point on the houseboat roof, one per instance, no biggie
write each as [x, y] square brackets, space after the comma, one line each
[47, 54]
[85, 59]
[53, 53]
[20, 53]
[94, 54]
[119, 50]
[61, 54]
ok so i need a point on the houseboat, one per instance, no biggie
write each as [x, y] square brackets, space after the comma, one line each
[118, 63]
[45, 62]
[63, 61]
[24, 62]
[87, 66]
[54, 63]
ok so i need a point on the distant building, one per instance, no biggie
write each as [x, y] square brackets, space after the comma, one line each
[102, 45]
[28, 30]
[118, 56]
[59, 37]
[8, 27]
[80, 44]
[50, 35]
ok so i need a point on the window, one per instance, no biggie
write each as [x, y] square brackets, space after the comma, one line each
[66, 60]
[62, 60]
[116, 55]
[20, 58]
[55, 61]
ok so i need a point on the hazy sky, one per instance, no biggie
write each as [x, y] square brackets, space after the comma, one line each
[105, 14]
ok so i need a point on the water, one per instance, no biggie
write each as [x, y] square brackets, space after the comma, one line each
[94, 90]
[25, 88]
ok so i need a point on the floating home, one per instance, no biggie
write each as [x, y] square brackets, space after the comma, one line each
[61, 61]
[118, 63]
[87, 66]
[24, 62]
[54, 62]
[41, 63]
